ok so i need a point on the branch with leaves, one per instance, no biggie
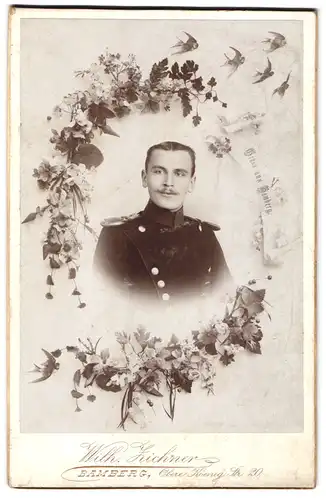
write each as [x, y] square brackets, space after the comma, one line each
[147, 365]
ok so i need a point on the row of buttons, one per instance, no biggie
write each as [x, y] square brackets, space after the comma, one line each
[161, 284]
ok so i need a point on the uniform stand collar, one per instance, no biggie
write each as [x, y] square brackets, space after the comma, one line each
[163, 216]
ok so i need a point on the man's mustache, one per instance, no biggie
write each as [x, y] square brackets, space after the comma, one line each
[167, 191]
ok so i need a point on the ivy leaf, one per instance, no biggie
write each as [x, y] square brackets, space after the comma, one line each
[208, 95]
[57, 353]
[182, 381]
[98, 113]
[72, 273]
[77, 377]
[49, 296]
[212, 82]
[54, 264]
[122, 111]
[49, 280]
[87, 154]
[30, 217]
[82, 305]
[197, 84]
[215, 98]
[75, 394]
[151, 106]
[76, 292]
[108, 130]
[253, 347]
[196, 120]
[91, 398]
[211, 349]
[185, 101]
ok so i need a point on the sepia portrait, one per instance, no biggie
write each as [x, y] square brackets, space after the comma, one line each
[162, 246]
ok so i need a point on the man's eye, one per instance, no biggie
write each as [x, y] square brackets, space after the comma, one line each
[180, 173]
[157, 170]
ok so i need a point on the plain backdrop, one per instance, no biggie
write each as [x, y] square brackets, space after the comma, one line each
[288, 493]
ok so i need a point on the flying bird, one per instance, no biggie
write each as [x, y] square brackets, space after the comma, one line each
[47, 368]
[283, 87]
[265, 74]
[276, 42]
[189, 45]
[234, 63]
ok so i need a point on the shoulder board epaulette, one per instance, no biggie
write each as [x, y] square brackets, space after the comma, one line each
[117, 221]
[211, 225]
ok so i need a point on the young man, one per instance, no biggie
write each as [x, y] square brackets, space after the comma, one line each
[159, 252]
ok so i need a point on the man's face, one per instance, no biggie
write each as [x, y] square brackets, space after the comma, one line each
[168, 178]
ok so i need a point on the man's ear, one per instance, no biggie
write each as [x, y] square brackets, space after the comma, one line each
[192, 184]
[144, 178]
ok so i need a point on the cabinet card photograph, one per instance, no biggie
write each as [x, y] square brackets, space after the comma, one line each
[161, 243]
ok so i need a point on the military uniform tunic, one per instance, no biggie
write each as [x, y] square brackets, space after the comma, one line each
[161, 254]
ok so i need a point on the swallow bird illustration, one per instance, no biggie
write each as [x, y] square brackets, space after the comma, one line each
[46, 369]
[235, 62]
[276, 42]
[267, 73]
[283, 87]
[187, 46]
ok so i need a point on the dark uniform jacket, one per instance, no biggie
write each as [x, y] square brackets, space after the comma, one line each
[161, 254]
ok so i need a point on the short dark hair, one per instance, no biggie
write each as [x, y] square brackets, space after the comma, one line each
[172, 146]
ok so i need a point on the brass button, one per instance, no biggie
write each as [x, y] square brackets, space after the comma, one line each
[154, 271]
[166, 296]
[142, 229]
[161, 284]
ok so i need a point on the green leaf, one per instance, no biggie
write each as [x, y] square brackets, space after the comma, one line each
[30, 217]
[75, 394]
